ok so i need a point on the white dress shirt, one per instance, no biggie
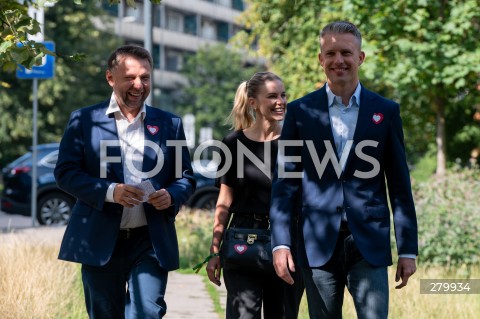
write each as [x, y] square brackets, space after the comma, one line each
[131, 136]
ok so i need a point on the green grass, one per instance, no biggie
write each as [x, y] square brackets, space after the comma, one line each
[406, 303]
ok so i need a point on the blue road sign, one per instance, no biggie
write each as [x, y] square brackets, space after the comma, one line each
[44, 71]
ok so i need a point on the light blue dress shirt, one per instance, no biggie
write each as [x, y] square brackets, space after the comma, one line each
[343, 118]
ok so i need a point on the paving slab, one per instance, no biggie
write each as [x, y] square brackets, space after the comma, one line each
[187, 298]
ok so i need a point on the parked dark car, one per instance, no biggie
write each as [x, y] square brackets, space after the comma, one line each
[206, 194]
[55, 206]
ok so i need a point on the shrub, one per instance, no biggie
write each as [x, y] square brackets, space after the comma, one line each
[194, 232]
[449, 218]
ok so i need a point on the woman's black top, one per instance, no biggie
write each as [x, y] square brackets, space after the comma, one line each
[252, 181]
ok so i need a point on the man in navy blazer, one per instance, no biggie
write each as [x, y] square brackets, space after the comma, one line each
[127, 165]
[343, 147]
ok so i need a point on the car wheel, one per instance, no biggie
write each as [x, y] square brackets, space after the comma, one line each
[54, 209]
[207, 201]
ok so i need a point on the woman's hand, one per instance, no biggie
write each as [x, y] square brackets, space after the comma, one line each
[214, 270]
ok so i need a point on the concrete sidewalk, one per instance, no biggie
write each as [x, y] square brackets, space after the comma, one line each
[187, 297]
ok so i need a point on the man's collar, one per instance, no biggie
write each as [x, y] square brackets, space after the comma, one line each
[355, 97]
[113, 108]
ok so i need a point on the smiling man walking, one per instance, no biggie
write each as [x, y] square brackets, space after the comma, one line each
[117, 158]
[344, 221]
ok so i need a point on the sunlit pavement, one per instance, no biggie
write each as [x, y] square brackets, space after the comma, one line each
[14, 222]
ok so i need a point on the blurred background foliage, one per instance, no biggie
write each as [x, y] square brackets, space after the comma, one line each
[423, 54]
[75, 84]
[213, 75]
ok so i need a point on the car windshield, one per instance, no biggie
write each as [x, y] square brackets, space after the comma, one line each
[206, 168]
[21, 161]
[49, 160]
[46, 156]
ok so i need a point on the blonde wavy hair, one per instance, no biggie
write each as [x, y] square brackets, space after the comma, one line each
[242, 115]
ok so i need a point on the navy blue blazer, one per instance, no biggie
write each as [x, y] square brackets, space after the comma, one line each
[93, 228]
[376, 162]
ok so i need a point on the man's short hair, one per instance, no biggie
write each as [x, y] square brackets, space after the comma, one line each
[128, 50]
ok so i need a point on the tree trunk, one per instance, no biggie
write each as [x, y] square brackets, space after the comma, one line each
[441, 138]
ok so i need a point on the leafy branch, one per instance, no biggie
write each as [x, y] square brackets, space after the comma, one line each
[15, 47]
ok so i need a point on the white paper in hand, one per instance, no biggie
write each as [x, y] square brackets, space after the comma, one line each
[147, 188]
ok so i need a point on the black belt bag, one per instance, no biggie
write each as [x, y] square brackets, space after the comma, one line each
[247, 249]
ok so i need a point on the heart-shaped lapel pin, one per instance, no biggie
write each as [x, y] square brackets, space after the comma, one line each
[240, 248]
[153, 129]
[377, 118]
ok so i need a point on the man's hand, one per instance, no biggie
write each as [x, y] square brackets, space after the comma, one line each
[127, 195]
[405, 268]
[283, 263]
[161, 199]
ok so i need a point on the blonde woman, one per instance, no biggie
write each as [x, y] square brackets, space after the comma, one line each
[244, 199]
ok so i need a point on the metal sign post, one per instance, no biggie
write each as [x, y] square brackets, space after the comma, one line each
[44, 71]
[34, 151]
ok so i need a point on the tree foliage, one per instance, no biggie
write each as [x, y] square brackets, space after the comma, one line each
[423, 54]
[213, 75]
[17, 25]
[74, 85]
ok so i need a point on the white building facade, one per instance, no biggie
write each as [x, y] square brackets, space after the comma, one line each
[179, 29]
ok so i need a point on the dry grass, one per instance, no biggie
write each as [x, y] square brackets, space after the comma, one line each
[33, 282]
[408, 303]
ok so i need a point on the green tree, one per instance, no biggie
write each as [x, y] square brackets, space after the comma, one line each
[16, 25]
[74, 85]
[430, 49]
[423, 54]
[213, 75]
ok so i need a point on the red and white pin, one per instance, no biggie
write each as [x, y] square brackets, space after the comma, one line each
[377, 118]
[153, 129]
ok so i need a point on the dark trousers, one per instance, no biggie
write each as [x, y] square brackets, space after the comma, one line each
[248, 291]
[131, 285]
[367, 284]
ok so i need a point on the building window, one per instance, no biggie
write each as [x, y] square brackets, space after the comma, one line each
[174, 21]
[110, 9]
[238, 5]
[190, 24]
[222, 31]
[208, 29]
[135, 14]
[163, 98]
[156, 56]
[157, 16]
[226, 3]
[174, 60]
